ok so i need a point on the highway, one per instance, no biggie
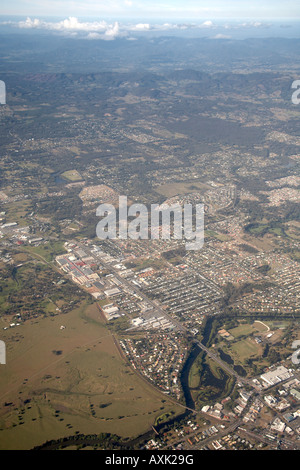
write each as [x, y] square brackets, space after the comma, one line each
[159, 310]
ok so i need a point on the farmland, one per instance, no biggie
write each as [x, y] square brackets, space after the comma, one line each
[65, 377]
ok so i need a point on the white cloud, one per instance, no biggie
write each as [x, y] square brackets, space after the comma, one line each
[247, 25]
[112, 31]
[207, 24]
[94, 36]
[140, 27]
[95, 29]
[29, 23]
[107, 30]
[221, 36]
[102, 29]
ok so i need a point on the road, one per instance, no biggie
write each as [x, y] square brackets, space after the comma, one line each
[158, 309]
[267, 439]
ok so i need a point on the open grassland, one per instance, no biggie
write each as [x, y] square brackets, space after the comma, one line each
[241, 330]
[245, 349]
[213, 234]
[59, 382]
[72, 175]
[173, 189]
[31, 288]
[246, 329]
[47, 251]
[194, 376]
[17, 212]
[256, 344]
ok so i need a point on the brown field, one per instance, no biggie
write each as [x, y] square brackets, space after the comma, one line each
[173, 189]
[57, 382]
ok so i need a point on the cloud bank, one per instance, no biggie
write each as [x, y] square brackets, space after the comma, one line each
[94, 30]
[104, 30]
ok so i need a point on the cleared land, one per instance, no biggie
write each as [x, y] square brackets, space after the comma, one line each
[72, 175]
[245, 349]
[59, 382]
[173, 189]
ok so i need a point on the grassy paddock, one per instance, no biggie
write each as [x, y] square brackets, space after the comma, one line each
[61, 381]
[173, 189]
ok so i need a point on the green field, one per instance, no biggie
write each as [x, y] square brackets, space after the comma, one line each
[30, 288]
[194, 376]
[218, 236]
[172, 189]
[241, 330]
[245, 349]
[17, 212]
[47, 251]
[208, 382]
[246, 329]
[72, 175]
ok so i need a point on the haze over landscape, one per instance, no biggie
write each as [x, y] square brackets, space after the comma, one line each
[134, 342]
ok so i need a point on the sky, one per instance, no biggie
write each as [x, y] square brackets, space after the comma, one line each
[111, 19]
[154, 9]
